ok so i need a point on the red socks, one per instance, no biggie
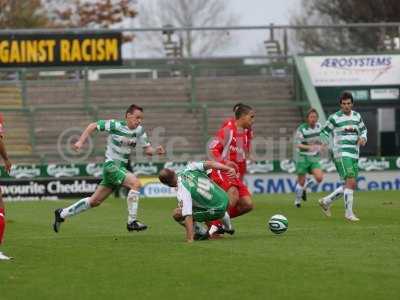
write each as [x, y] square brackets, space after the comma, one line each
[233, 211]
[2, 223]
[216, 223]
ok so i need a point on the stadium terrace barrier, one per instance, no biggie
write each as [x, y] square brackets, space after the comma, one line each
[190, 99]
[51, 126]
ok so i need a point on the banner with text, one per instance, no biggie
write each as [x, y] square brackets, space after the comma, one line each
[354, 70]
[286, 183]
[151, 169]
[44, 50]
[47, 189]
[274, 183]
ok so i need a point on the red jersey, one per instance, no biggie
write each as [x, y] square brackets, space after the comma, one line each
[238, 141]
[231, 143]
[248, 134]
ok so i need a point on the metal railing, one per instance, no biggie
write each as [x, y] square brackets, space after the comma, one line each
[269, 39]
[85, 78]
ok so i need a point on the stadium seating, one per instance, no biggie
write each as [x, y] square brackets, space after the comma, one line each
[242, 88]
[50, 125]
[56, 104]
[10, 95]
[54, 92]
[16, 120]
[125, 91]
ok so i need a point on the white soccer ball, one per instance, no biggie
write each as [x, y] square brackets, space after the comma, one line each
[278, 224]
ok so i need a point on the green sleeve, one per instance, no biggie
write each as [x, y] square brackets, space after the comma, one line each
[299, 138]
[101, 125]
[327, 130]
[363, 129]
[106, 125]
[143, 139]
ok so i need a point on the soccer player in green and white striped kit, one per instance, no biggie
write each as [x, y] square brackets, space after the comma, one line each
[199, 198]
[347, 132]
[123, 137]
[308, 147]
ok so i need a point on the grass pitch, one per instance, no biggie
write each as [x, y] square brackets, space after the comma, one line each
[94, 257]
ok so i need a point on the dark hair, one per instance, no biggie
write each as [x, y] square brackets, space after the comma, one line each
[166, 176]
[242, 110]
[237, 105]
[310, 111]
[132, 108]
[346, 95]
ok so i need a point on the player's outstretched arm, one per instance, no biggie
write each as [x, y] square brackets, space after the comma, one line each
[3, 154]
[189, 228]
[209, 164]
[85, 134]
[304, 147]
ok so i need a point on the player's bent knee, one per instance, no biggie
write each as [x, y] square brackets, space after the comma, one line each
[250, 206]
[301, 180]
[233, 195]
[246, 205]
[135, 185]
[94, 202]
[351, 183]
[132, 182]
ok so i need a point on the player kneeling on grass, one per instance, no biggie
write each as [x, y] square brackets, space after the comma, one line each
[308, 146]
[123, 137]
[199, 199]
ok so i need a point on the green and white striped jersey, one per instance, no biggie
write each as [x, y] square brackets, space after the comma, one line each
[307, 136]
[342, 132]
[196, 191]
[121, 140]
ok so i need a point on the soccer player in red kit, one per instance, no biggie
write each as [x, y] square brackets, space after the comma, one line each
[7, 165]
[229, 147]
[248, 136]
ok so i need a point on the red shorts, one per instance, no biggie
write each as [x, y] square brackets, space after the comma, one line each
[222, 179]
